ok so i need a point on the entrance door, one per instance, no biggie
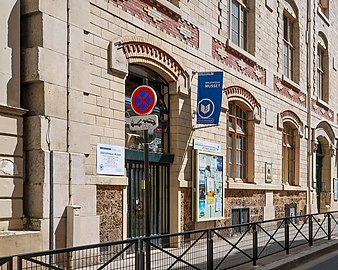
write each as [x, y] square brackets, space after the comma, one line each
[319, 167]
[159, 198]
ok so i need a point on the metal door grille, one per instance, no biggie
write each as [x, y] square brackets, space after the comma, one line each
[159, 206]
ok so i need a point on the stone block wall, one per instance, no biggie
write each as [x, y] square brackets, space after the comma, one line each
[187, 210]
[280, 199]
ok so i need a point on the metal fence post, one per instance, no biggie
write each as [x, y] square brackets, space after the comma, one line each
[287, 236]
[10, 264]
[329, 226]
[18, 263]
[310, 231]
[255, 244]
[210, 251]
[140, 255]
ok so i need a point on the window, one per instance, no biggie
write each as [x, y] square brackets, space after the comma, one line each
[240, 216]
[322, 69]
[288, 47]
[290, 42]
[237, 142]
[239, 23]
[290, 154]
[320, 72]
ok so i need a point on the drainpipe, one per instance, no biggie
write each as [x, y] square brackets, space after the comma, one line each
[51, 188]
[309, 77]
[70, 193]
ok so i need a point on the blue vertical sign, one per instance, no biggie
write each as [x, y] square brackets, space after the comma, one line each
[209, 97]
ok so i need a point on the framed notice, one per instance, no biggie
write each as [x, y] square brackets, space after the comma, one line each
[109, 159]
[268, 172]
[208, 186]
[335, 189]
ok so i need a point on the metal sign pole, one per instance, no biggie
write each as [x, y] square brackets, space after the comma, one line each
[147, 195]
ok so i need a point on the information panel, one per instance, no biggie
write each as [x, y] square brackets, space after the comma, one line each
[209, 186]
[110, 159]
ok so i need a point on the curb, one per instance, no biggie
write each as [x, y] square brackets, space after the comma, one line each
[292, 261]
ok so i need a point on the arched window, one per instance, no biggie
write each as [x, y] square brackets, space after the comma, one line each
[237, 142]
[290, 154]
[322, 69]
[139, 75]
[244, 112]
[290, 40]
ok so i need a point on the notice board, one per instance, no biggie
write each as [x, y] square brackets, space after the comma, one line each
[208, 186]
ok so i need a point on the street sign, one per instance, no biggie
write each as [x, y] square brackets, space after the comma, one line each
[143, 122]
[143, 100]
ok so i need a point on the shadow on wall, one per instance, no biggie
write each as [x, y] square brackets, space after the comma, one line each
[14, 166]
[13, 85]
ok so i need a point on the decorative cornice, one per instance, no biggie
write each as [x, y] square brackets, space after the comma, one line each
[14, 111]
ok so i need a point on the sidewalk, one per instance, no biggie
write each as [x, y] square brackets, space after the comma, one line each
[297, 256]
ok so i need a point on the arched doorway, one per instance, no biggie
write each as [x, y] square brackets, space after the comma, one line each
[159, 156]
[319, 173]
[325, 139]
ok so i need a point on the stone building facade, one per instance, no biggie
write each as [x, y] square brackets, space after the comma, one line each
[67, 81]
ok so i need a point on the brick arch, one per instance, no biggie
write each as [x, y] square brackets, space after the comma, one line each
[243, 95]
[290, 116]
[139, 50]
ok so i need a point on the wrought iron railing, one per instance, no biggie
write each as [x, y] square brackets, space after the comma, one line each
[215, 248]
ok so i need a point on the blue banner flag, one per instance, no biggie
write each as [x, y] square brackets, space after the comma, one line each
[209, 97]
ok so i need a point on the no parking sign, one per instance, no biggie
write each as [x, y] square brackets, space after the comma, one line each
[143, 100]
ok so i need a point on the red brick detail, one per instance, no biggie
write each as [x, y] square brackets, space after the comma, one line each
[142, 50]
[292, 115]
[170, 23]
[321, 110]
[237, 91]
[233, 57]
[289, 91]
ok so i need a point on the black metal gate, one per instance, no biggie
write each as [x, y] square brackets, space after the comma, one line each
[159, 206]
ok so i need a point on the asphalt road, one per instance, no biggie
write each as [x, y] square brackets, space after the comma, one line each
[326, 262]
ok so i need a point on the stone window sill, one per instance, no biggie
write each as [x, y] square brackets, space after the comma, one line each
[323, 103]
[170, 6]
[296, 188]
[291, 82]
[323, 16]
[240, 185]
[241, 51]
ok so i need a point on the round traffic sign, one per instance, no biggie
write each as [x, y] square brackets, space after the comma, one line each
[143, 100]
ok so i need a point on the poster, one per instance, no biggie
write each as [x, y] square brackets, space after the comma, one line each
[268, 172]
[109, 159]
[209, 186]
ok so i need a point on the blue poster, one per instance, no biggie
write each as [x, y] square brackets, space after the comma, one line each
[209, 97]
